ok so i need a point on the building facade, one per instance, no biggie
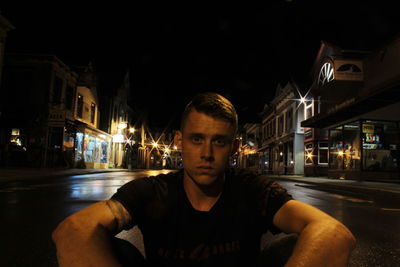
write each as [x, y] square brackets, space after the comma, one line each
[50, 115]
[359, 106]
[281, 134]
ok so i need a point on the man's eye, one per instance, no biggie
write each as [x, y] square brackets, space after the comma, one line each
[196, 140]
[220, 142]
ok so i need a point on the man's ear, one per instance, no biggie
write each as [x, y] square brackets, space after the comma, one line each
[235, 146]
[178, 139]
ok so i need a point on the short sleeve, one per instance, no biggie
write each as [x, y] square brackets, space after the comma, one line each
[273, 197]
[134, 195]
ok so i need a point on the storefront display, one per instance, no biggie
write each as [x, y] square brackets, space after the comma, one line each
[380, 141]
[376, 141]
[94, 148]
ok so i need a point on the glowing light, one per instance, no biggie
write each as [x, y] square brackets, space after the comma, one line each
[175, 148]
[118, 138]
[340, 153]
[154, 144]
[122, 125]
[291, 162]
[167, 150]
[309, 155]
[280, 153]
[131, 130]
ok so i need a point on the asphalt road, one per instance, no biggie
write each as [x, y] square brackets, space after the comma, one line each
[31, 210]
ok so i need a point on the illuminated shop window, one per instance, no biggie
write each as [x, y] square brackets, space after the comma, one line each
[308, 153]
[323, 153]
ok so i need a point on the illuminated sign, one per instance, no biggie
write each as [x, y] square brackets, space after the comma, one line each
[349, 70]
[118, 138]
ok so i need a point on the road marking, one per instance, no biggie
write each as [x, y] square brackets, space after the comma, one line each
[352, 199]
[390, 209]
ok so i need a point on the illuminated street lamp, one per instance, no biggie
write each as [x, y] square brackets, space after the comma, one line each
[122, 125]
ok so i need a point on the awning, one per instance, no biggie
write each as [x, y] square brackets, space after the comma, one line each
[381, 99]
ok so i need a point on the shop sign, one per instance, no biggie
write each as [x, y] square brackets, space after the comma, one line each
[349, 70]
[368, 128]
[56, 118]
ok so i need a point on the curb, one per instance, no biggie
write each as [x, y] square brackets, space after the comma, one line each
[342, 187]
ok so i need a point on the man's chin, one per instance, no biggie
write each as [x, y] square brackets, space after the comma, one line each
[205, 178]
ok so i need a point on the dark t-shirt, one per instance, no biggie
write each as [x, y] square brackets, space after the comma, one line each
[175, 234]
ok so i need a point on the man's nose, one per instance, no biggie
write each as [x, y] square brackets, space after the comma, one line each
[207, 152]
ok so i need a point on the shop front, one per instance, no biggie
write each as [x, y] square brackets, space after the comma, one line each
[365, 149]
[92, 149]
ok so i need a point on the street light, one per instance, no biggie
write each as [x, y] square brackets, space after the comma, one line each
[132, 130]
[122, 125]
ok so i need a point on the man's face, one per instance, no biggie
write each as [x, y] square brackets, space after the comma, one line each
[207, 143]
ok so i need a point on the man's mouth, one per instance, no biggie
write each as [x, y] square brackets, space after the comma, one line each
[205, 167]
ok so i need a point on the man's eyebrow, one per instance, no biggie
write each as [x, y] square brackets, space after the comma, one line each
[216, 136]
[221, 136]
[196, 135]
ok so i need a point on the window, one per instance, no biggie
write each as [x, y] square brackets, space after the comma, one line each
[345, 147]
[280, 125]
[273, 127]
[308, 152]
[380, 141]
[308, 106]
[69, 95]
[57, 90]
[79, 108]
[289, 120]
[92, 112]
[323, 153]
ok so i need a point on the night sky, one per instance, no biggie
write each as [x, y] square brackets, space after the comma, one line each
[174, 51]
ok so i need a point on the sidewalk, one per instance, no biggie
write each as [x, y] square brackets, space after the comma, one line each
[364, 187]
[11, 175]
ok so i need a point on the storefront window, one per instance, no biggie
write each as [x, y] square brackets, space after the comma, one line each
[78, 149]
[89, 148]
[104, 151]
[308, 152]
[380, 146]
[97, 151]
[323, 153]
[336, 148]
[345, 147]
[351, 149]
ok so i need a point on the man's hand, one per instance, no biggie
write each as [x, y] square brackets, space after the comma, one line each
[83, 239]
[323, 240]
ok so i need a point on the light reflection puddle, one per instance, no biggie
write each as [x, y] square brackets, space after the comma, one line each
[352, 199]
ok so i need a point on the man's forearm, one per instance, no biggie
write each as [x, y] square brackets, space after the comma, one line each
[323, 244]
[82, 245]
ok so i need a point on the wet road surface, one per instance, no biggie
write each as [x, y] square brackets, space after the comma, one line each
[30, 211]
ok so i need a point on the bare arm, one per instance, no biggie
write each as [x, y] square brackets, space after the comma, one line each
[323, 240]
[82, 239]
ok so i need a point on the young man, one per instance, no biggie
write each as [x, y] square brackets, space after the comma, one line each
[204, 215]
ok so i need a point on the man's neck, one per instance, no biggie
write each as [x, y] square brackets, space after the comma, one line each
[202, 198]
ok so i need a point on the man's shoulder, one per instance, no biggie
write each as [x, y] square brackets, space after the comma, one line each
[150, 186]
[246, 176]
